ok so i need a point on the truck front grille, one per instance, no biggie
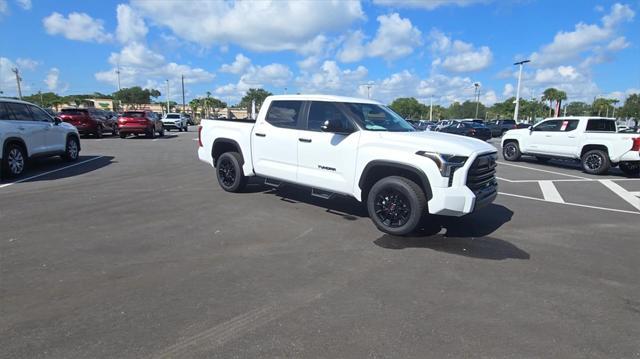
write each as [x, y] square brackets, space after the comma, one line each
[482, 174]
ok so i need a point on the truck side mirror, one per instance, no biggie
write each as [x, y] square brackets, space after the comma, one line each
[334, 127]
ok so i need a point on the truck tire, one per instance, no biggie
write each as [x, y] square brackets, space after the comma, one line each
[14, 161]
[396, 205]
[631, 169]
[596, 162]
[229, 172]
[511, 151]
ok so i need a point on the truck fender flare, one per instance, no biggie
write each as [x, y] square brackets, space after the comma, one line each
[226, 142]
[424, 180]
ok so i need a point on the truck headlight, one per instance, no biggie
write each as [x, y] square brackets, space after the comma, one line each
[447, 164]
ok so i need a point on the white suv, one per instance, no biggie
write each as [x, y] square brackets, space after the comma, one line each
[175, 121]
[27, 131]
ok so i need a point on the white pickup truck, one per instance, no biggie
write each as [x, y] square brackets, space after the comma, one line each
[353, 147]
[592, 140]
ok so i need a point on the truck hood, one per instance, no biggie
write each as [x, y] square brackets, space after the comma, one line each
[439, 142]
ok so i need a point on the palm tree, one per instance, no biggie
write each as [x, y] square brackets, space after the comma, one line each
[550, 95]
[560, 96]
[195, 104]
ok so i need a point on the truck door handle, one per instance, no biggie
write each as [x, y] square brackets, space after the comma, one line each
[21, 128]
[547, 135]
[572, 136]
[261, 134]
[305, 140]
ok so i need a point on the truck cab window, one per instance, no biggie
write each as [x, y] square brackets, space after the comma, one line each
[284, 113]
[323, 111]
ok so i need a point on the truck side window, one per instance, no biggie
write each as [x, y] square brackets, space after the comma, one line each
[600, 125]
[284, 113]
[569, 126]
[323, 111]
[549, 126]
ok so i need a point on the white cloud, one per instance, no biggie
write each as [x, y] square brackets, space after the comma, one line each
[489, 98]
[25, 4]
[577, 84]
[567, 46]
[508, 91]
[259, 26]
[330, 78]
[458, 56]
[8, 85]
[239, 65]
[52, 79]
[27, 64]
[427, 4]
[447, 89]
[139, 65]
[77, 26]
[4, 8]
[131, 26]
[272, 75]
[353, 49]
[617, 44]
[399, 84]
[396, 37]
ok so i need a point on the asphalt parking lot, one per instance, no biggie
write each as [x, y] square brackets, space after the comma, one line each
[135, 252]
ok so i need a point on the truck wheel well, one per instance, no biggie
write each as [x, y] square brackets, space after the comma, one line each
[17, 141]
[588, 148]
[222, 145]
[509, 141]
[375, 172]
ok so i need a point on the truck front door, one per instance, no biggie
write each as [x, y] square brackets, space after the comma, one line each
[327, 160]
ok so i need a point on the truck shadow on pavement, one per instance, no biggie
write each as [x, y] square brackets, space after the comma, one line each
[467, 236]
[568, 165]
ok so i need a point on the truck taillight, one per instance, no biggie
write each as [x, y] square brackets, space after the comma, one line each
[636, 144]
[200, 136]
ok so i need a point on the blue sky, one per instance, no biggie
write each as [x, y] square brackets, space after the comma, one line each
[426, 49]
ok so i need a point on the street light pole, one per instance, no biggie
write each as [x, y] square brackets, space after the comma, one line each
[431, 108]
[477, 95]
[515, 112]
[168, 94]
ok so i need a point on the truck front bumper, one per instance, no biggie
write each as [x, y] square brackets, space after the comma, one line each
[459, 201]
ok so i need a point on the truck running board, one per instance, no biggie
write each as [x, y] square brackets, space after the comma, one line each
[321, 193]
[272, 183]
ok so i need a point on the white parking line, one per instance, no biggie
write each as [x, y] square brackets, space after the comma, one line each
[568, 203]
[628, 197]
[49, 172]
[550, 192]
[539, 170]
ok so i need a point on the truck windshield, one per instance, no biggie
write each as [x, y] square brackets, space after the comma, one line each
[374, 117]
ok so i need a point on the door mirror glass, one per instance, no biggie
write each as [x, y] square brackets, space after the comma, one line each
[57, 120]
[335, 126]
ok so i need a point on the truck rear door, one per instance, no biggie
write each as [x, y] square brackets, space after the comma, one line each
[274, 141]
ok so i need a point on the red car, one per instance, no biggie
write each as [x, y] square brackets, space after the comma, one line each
[141, 122]
[90, 121]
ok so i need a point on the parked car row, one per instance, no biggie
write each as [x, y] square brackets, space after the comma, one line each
[28, 131]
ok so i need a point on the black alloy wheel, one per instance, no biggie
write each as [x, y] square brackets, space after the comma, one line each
[392, 208]
[229, 172]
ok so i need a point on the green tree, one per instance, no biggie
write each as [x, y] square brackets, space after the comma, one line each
[554, 96]
[45, 99]
[631, 107]
[408, 107]
[466, 109]
[135, 96]
[603, 106]
[578, 108]
[254, 94]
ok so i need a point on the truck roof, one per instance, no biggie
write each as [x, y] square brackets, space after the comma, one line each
[580, 118]
[322, 98]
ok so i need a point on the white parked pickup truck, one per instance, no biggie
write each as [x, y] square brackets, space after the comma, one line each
[592, 140]
[353, 147]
